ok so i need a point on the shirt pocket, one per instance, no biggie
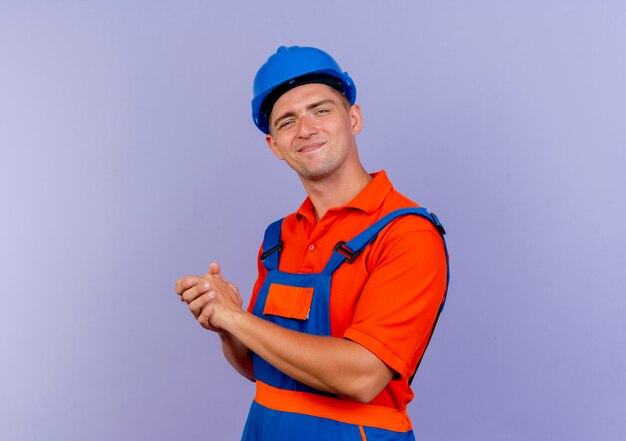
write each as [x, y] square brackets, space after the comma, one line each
[288, 301]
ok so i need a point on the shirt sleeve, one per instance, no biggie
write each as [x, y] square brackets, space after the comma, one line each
[399, 303]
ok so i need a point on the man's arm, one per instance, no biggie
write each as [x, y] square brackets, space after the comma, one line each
[329, 364]
[238, 355]
[235, 352]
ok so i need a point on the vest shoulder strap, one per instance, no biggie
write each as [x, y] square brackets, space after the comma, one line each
[272, 245]
[348, 251]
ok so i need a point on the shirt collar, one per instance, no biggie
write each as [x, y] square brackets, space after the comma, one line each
[368, 200]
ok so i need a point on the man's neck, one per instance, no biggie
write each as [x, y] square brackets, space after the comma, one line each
[336, 190]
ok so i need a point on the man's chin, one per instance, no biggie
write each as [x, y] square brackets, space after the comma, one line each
[314, 175]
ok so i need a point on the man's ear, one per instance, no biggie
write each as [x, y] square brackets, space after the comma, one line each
[272, 145]
[357, 119]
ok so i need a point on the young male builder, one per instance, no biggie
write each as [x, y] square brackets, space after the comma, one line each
[349, 286]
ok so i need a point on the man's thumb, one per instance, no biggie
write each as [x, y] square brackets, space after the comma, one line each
[214, 269]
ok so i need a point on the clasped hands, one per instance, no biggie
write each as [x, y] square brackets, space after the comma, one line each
[210, 298]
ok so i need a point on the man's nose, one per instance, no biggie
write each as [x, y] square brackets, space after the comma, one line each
[307, 127]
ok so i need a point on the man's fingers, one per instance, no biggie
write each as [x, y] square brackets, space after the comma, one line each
[206, 312]
[195, 291]
[204, 316]
[215, 271]
[233, 286]
[214, 268]
[199, 292]
[184, 283]
[196, 305]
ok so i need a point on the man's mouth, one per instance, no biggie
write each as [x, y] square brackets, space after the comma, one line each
[310, 147]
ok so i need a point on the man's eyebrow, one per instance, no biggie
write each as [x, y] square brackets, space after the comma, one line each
[319, 103]
[309, 107]
[283, 116]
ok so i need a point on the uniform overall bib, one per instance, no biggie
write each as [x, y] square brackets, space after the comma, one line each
[285, 409]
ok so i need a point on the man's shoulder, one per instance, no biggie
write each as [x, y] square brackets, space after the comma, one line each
[396, 200]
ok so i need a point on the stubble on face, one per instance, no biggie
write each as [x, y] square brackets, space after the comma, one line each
[321, 170]
[333, 131]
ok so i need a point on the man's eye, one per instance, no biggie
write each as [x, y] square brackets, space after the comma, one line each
[286, 123]
[321, 111]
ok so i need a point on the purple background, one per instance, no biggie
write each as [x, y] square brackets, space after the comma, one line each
[128, 158]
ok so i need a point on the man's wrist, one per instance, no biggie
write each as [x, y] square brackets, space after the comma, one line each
[228, 321]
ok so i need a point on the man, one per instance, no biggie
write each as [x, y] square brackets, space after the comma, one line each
[349, 287]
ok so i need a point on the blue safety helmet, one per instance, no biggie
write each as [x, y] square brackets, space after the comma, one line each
[290, 67]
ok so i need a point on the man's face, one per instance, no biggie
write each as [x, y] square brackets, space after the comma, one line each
[312, 128]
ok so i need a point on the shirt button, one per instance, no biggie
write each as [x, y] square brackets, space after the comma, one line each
[311, 247]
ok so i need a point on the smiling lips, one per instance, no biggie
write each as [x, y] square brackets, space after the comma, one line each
[310, 147]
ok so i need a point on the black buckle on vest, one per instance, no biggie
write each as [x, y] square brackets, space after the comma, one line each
[277, 248]
[438, 224]
[347, 252]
